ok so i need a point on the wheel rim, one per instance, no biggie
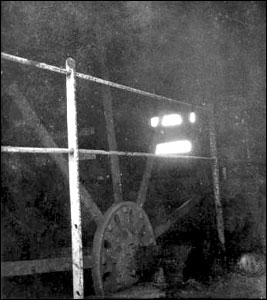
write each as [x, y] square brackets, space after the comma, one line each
[124, 229]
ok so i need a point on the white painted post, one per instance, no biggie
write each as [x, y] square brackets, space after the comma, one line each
[76, 224]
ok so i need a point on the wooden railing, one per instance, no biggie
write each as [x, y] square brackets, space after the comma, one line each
[77, 191]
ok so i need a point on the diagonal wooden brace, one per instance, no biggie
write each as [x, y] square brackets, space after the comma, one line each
[47, 141]
[176, 215]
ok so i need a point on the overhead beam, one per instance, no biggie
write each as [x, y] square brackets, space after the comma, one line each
[36, 64]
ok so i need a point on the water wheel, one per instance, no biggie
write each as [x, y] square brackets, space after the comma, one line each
[124, 228]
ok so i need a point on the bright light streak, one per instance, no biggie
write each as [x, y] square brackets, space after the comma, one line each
[154, 121]
[171, 120]
[176, 147]
[192, 117]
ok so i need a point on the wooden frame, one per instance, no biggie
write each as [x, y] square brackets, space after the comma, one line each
[78, 262]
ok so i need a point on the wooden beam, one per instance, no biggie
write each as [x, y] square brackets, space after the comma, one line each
[85, 152]
[141, 198]
[29, 267]
[94, 79]
[176, 215]
[215, 176]
[108, 113]
[47, 141]
[114, 159]
[34, 150]
[33, 63]
[89, 153]
[145, 181]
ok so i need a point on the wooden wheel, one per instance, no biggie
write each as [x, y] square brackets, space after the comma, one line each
[125, 227]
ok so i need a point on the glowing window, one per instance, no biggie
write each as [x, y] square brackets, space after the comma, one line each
[176, 147]
[192, 117]
[171, 120]
[154, 121]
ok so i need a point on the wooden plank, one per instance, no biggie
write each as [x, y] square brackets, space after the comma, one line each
[141, 154]
[34, 150]
[33, 63]
[74, 183]
[145, 181]
[108, 113]
[114, 159]
[215, 177]
[91, 154]
[44, 150]
[46, 139]
[93, 79]
[148, 169]
[29, 267]
[176, 215]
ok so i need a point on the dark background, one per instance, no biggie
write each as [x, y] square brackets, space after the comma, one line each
[198, 52]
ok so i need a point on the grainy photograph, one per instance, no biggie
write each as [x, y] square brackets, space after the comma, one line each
[133, 149]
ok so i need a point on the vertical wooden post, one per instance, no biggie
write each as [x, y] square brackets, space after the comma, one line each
[215, 176]
[114, 159]
[145, 182]
[108, 113]
[76, 226]
[141, 198]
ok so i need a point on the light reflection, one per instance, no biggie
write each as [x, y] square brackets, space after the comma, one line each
[176, 147]
[192, 117]
[171, 120]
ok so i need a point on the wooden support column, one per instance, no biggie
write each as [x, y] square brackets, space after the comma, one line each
[215, 176]
[145, 181]
[114, 159]
[75, 205]
[141, 198]
[107, 104]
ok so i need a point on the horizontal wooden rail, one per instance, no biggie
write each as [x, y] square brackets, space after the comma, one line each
[141, 154]
[44, 66]
[35, 150]
[29, 267]
[85, 152]
[33, 63]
